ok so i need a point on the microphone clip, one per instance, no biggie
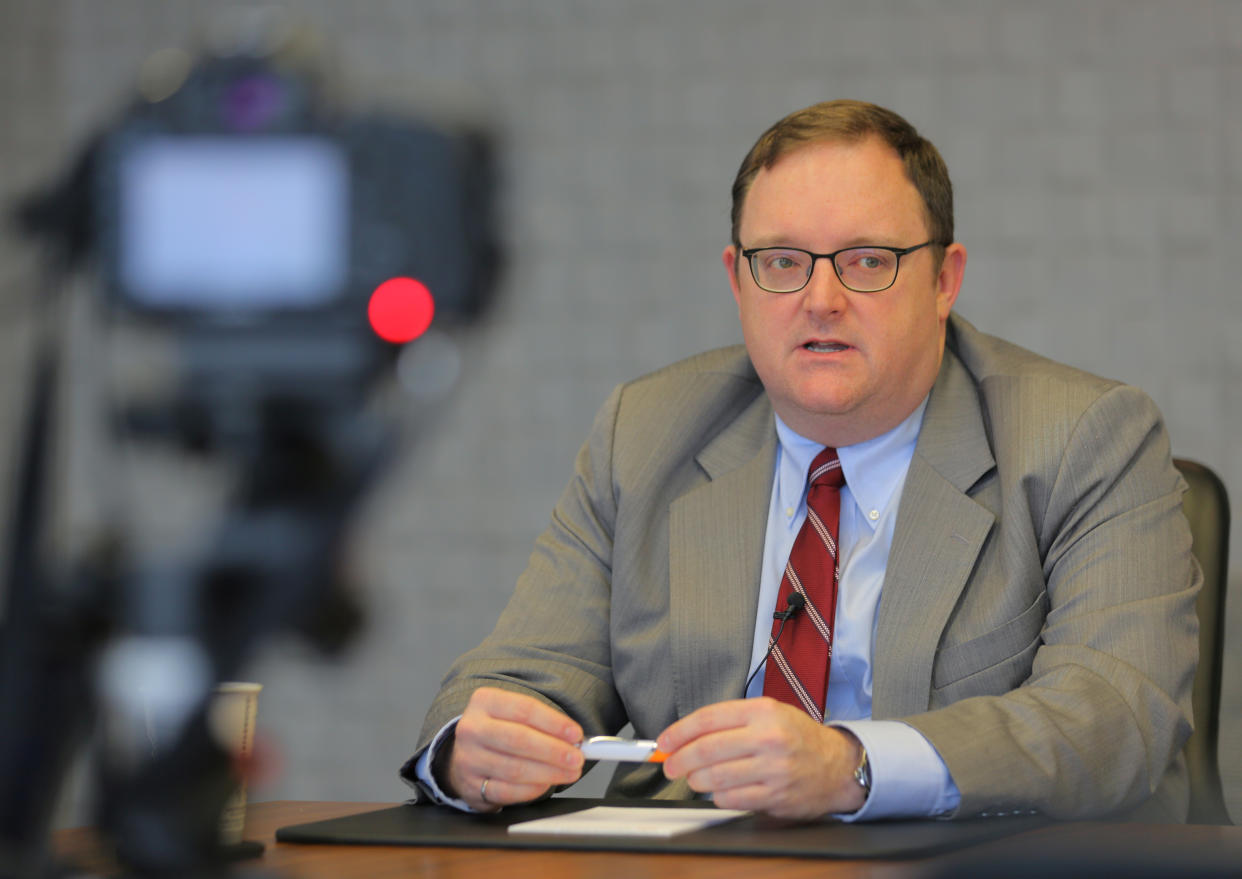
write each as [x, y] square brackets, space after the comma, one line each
[794, 603]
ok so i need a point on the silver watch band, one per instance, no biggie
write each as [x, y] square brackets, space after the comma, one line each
[862, 773]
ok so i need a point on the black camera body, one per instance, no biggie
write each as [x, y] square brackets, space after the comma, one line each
[254, 220]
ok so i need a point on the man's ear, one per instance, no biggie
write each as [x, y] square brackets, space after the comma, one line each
[730, 259]
[949, 280]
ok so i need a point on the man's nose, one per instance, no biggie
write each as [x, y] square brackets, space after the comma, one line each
[824, 293]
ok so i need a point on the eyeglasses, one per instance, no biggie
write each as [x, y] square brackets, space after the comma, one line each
[861, 269]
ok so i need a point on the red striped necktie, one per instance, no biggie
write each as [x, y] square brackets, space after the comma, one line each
[797, 671]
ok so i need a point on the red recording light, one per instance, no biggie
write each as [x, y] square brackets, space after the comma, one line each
[401, 309]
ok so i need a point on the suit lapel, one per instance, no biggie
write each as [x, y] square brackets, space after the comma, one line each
[716, 535]
[939, 533]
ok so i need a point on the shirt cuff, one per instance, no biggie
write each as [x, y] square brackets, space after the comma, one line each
[424, 781]
[908, 778]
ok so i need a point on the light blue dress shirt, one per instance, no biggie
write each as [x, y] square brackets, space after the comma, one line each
[908, 778]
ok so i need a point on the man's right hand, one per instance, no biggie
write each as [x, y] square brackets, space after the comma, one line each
[517, 744]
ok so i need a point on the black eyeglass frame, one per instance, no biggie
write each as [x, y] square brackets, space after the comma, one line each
[898, 252]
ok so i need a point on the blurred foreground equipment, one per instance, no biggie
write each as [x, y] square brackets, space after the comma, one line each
[245, 216]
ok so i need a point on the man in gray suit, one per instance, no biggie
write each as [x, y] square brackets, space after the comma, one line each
[1014, 627]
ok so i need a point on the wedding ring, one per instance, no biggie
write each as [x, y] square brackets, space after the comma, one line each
[483, 791]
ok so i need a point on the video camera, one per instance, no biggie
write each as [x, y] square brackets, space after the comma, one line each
[285, 246]
[251, 218]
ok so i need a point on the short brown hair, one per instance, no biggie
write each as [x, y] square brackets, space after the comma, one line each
[850, 122]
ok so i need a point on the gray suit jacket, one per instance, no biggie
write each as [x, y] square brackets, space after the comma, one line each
[1037, 618]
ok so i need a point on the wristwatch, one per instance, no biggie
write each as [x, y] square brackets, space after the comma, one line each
[862, 773]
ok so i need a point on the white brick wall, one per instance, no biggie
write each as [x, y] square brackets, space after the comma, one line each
[1097, 150]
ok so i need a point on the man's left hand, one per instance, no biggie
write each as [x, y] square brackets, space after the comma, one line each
[765, 755]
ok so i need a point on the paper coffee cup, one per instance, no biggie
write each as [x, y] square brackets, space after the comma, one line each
[231, 716]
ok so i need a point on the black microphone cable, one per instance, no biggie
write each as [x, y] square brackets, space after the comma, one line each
[793, 603]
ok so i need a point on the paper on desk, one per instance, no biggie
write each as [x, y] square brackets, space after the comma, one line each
[628, 821]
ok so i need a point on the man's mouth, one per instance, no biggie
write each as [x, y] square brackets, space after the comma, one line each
[825, 347]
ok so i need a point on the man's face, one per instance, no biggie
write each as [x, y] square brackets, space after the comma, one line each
[842, 367]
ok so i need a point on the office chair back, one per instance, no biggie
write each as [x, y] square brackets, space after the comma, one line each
[1207, 507]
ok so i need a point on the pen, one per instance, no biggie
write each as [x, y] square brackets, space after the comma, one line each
[622, 750]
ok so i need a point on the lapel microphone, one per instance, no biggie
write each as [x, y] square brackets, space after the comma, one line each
[793, 603]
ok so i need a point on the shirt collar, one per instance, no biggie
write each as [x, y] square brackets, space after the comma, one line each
[873, 468]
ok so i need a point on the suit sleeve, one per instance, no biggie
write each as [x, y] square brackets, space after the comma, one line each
[552, 640]
[1099, 724]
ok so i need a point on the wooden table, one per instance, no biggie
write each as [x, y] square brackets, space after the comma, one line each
[300, 861]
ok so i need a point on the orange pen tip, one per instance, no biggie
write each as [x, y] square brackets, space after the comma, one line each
[657, 757]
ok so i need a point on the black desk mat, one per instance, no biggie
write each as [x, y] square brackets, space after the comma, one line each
[762, 835]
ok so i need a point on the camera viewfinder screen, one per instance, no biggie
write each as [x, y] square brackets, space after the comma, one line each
[233, 223]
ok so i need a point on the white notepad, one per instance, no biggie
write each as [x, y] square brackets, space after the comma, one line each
[628, 821]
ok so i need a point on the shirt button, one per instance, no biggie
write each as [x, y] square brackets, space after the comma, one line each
[873, 515]
[789, 511]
